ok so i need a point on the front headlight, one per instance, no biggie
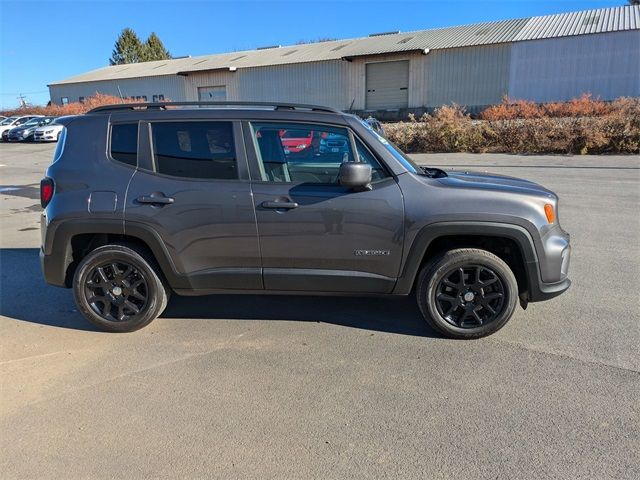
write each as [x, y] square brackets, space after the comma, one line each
[48, 131]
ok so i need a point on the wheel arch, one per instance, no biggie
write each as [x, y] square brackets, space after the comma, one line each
[512, 243]
[74, 239]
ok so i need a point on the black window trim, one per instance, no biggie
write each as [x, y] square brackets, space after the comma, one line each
[252, 156]
[240, 151]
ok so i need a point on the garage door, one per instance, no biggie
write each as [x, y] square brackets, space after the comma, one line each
[212, 94]
[387, 85]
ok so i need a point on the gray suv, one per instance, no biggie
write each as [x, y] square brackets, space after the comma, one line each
[201, 198]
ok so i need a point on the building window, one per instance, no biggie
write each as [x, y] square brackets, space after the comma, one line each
[194, 149]
[65, 100]
[158, 98]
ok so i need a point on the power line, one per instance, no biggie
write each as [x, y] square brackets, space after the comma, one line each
[25, 93]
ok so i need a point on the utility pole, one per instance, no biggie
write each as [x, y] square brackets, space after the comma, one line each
[23, 100]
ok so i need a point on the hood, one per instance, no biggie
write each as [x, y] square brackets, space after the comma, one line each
[47, 127]
[491, 181]
[22, 128]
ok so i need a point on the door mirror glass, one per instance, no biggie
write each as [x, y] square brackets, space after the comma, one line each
[356, 175]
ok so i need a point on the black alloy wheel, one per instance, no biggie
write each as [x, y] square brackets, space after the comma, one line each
[467, 293]
[470, 296]
[119, 288]
[117, 291]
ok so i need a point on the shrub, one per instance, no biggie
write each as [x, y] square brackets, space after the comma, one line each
[75, 108]
[580, 126]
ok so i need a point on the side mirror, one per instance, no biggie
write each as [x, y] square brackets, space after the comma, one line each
[356, 175]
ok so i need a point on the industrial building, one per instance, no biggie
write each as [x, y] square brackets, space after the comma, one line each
[545, 58]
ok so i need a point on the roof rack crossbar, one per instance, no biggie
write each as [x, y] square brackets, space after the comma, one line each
[163, 105]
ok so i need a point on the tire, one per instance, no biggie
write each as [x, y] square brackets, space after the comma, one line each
[133, 283]
[467, 293]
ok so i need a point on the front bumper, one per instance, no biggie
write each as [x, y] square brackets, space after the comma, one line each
[548, 275]
[45, 137]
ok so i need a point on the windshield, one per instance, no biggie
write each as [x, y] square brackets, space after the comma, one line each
[8, 121]
[32, 122]
[409, 164]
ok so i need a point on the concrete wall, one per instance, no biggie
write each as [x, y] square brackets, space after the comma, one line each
[605, 64]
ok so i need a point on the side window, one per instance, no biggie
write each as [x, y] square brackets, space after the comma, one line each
[305, 153]
[124, 143]
[378, 172]
[195, 149]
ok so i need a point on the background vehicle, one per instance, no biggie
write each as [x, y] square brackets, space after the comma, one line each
[25, 132]
[333, 143]
[48, 133]
[297, 141]
[213, 203]
[11, 122]
[375, 125]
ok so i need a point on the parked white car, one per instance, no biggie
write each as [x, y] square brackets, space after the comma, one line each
[48, 133]
[12, 122]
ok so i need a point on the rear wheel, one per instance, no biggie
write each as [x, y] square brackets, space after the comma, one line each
[467, 293]
[117, 289]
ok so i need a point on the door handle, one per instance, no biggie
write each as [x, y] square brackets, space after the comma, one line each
[279, 205]
[155, 199]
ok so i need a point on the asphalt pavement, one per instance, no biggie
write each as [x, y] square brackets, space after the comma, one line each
[321, 387]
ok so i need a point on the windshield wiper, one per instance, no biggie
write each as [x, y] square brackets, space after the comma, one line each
[432, 172]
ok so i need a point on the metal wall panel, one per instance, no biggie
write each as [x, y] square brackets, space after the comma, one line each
[322, 83]
[171, 86]
[606, 65]
[472, 76]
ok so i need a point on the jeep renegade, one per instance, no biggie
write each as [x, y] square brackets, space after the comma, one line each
[199, 198]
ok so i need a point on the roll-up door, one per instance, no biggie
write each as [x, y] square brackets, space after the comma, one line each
[387, 85]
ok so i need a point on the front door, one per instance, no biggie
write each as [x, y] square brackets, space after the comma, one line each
[316, 235]
[195, 195]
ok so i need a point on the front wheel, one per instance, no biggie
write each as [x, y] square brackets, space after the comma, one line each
[467, 293]
[117, 289]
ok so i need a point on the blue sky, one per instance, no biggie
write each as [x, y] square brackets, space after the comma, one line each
[45, 41]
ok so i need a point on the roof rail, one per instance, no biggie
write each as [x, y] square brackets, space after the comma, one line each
[163, 106]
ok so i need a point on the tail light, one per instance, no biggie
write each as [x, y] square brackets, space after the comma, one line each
[46, 191]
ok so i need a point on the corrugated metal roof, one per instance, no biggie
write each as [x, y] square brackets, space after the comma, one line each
[580, 23]
[576, 23]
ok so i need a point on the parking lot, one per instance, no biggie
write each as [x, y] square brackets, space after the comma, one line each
[305, 387]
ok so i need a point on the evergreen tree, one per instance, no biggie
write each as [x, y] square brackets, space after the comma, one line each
[127, 49]
[153, 49]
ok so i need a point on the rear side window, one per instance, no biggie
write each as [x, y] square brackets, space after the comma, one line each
[124, 143]
[195, 149]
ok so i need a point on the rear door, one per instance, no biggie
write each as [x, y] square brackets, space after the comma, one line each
[192, 190]
[316, 235]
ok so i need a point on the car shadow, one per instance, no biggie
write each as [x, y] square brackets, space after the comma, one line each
[25, 296]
